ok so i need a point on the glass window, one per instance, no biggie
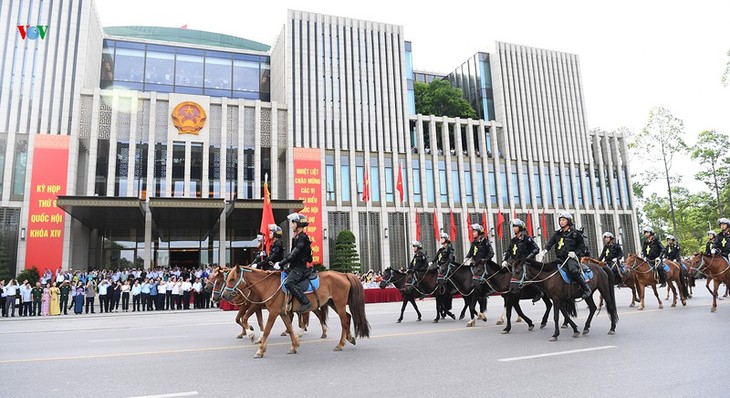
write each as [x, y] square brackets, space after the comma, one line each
[548, 186]
[189, 71]
[20, 166]
[107, 64]
[265, 165]
[558, 185]
[589, 190]
[626, 188]
[178, 169]
[345, 178]
[231, 173]
[128, 65]
[607, 182]
[218, 73]
[569, 191]
[245, 75]
[248, 172]
[455, 184]
[443, 184]
[492, 184]
[503, 184]
[599, 194]
[265, 81]
[214, 172]
[3, 153]
[196, 169]
[374, 177]
[430, 186]
[121, 169]
[330, 177]
[160, 67]
[468, 187]
[102, 167]
[416, 181]
[579, 180]
[538, 188]
[404, 174]
[515, 185]
[359, 171]
[389, 180]
[527, 195]
[160, 171]
[617, 189]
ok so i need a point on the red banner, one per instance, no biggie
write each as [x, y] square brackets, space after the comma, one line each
[44, 247]
[308, 188]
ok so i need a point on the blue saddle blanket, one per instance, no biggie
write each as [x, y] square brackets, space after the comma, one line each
[666, 267]
[587, 274]
[305, 285]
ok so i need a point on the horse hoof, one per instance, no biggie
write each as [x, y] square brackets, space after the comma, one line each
[641, 308]
[435, 321]
[258, 355]
[470, 324]
[611, 332]
[398, 321]
[684, 303]
[351, 340]
[542, 325]
[292, 351]
[713, 309]
[418, 320]
[531, 327]
[674, 305]
[338, 348]
[632, 305]
[239, 337]
[661, 307]
[500, 322]
[564, 326]
[586, 331]
[505, 331]
[553, 339]
[461, 318]
[323, 336]
[576, 335]
[283, 334]
[519, 320]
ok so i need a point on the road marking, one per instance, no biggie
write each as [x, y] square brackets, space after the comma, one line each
[171, 395]
[138, 338]
[552, 354]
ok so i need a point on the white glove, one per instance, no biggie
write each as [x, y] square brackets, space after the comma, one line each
[713, 251]
[541, 255]
[254, 265]
[430, 263]
[505, 264]
[276, 266]
[572, 254]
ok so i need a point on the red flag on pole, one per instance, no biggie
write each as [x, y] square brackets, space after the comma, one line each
[452, 230]
[418, 227]
[485, 224]
[184, 26]
[365, 185]
[399, 184]
[529, 224]
[500, 221]
[436, 226]
[267, 216]
[468, 228]
[515, 214]
[543, 224]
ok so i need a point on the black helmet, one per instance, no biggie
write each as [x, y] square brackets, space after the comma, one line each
[299, 219]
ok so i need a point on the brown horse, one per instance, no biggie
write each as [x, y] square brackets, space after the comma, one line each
[335, 289]
[715, 268]
[625, 278]
[563, 295]
[643, 275]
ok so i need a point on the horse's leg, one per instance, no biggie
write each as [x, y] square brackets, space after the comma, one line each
[239, 321]
[259, 320]
[570, 322]
[265, 336]
[290, 330]
[641, 289]
[500, 321]
[556, 319]
[508, 309]
[472, 309]
[402, 309]
[466, 305]
[671, 284]
[415, 307]
[482, 308]
[344, 324]
[591, 310]
[438, 308]
[320, 316]
[548, 306]
[291, 319]
[716, 286]
[656, 293]
[518, 308]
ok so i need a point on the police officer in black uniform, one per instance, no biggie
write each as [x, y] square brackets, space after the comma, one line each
[568, 241]
[652, 250]
[612, 253]
[480, 249]
[260, 254]
[672, 251]
[300, 255]
[419, 262]
[722, 242]
[276, 252]
[711, 238]
[521, 245]
[444, 258]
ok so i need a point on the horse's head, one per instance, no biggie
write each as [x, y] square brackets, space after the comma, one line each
[479, 273]
[388, 276]
[232, 283]
[632, 260]
[216, 283]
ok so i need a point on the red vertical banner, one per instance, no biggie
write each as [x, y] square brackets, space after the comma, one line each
[500, 222]
[418, 228]
[399, 183]
[308, 188]
[44, 247]
[543, 225]
[468, 228]
[452, 228]
[529, 224]
[436, 231]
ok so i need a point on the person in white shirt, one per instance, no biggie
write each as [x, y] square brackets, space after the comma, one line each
[103, 296]
[161, 292]
[136, 296]
[25, 306]
[125, 296]
[10, 291]
[176, 296]
[186, 287]
[197, 289]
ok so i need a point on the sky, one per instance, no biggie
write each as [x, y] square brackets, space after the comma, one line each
[634, 55]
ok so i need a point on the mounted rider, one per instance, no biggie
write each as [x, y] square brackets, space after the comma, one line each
[711, 238]
[612, 253]
[419, 261]
[300, 255]
[722, 242]
[480, 249]
[260, 254]
[672, 251]
[521, 245]
[652, 251]
[276, 252]
[568, 241]
[445, 255]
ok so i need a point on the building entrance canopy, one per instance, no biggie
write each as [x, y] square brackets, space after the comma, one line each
[181, 219]
[104, 213]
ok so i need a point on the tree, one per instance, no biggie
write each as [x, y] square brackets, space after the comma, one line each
[658, 142]
[346, 258]
[5, 272]
[711, 152]
[31, 274]
[440, 99]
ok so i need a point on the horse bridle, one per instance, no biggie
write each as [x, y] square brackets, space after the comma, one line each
[223, 285]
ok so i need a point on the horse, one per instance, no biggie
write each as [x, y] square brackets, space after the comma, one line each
[643, 275]
[715, 268]
[460, 279]
[681, 282]
[563, 295]
[335, 289]
[425, 286]
[625, 278]
[501, 282]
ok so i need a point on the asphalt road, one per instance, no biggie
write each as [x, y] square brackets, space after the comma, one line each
[673, 352]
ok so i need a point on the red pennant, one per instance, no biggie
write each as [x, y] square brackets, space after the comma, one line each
[365, 185]
[452, 230]
[468, 228]
[267, 217]
[436, 226]
[543, 224]
[529, 224]
[399, 184]
[500, 222]
[515, 214]
[418, 227]
[485, 224]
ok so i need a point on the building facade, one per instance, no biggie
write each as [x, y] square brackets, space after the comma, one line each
[168, 136]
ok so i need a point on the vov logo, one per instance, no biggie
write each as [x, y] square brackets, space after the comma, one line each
[33, 32]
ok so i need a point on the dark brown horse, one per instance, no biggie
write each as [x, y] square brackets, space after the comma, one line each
[501, 282]
[563, 294]
[424, 285]
[335, 289]
[716, 269]
[459, 280]
[626, 279]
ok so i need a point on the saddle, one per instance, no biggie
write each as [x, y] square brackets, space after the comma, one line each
[586, 273]
[308, 285]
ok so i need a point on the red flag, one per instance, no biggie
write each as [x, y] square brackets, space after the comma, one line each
[485, 224]
[468, 228]
[399, 184]
[452, 230]
[184, 26]
[500, 221]
[365, 185]
[418, 228]
[529, 224]
[267, 216]
[436, 226]
[543, 224]
[515, 214]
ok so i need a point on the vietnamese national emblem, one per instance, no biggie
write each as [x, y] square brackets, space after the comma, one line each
[188, 117]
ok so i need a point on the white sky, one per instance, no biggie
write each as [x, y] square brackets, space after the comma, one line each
[634, 54]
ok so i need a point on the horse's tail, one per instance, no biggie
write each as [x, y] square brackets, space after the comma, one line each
[569, 307]
[356, 300]
[683, 278]
[611, 301]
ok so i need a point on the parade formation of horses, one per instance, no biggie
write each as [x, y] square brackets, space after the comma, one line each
[626, 279]
[716, 269]
[643, 275]
[335, 289]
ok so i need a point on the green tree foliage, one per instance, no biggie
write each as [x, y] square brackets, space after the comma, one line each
[6, 273]
[694, 212]
[31, 274]
[711, 151]
[440, 99]
[346, 258]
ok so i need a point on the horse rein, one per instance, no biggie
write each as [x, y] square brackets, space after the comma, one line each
[248, 287]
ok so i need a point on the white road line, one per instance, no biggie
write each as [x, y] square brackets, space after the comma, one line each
[174, 394]
[605, 347]
[138, 338]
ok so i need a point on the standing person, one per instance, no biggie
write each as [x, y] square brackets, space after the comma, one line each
[206, 294]
[37, 294]
[568, 241]
[125, 295]
[197, 289]
[161, 294]
[300, 255]
[79, 298]
[11, 290]
[66, 290]
[55, 302]
[90, 294]
[145, 293]
[116, 296]
[2, 299]
[175, 303]
[27, 300]
[186, 287]
[46, 300]
[136, 296]
[168, 292]
[152, 300]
